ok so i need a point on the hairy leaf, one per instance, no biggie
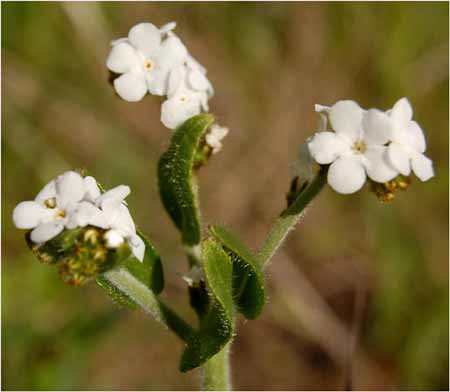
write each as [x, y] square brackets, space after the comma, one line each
[248, 280]
[216, 327]
[177, 183]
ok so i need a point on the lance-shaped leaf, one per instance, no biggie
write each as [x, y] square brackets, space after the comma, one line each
[248, 280]
[216, 327]
[177, 183]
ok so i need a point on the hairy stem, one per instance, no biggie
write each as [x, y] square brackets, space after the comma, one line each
[289, 217]
[147, 300]
[216, 372]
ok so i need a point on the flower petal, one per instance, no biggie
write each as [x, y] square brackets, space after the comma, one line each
[199, 82]
[92, 189]
[46, 231]
[415, 137]
[29, 214]
[158, 81]
[402, 111]
[398, 157]
[346, 175]
[131, 86]
[113, 239]
[164, 29]
[326, 147]
[175, 111]
[377, 127]
[146, 37]
[122, 58]
[87, 214]
[47, 192]
[114, 196]
[377, 166]
[138, 248]
[175, 81]
[171, 54]
[422, 167]
[69, 189]
[345, 118]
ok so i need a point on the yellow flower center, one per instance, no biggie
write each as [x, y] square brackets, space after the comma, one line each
[359, 147]
[50, 203]
[148, 65]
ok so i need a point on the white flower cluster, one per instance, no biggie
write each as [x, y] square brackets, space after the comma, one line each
[155, 60]
[369, 143]
[71, 201]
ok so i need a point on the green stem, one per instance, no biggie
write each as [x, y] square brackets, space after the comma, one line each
[289, 217]
[147, 300]
[216, 372]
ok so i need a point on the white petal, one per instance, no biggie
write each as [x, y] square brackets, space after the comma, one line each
[192, 63]
[199, 82]
[113, 239]
[158, 81]
[87, 214]
[131, 86]
[398, 157]
[321, 108]
[171, 54]
[167, 27]
[47, 192]
[177, 110]
[402, 111]
[176, 79]
[29, 214]
[92, 189]
[422, 167]
[69, 189]
[114, 196]
[346, 175]
[345, 118]
[326, 147]
[145, 37]
[377, 127]
[377, 166]
[122, 58]
[138, 248]
[414, 137]
[46, 231]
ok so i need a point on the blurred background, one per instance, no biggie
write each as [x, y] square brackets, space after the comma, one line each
[353, 264]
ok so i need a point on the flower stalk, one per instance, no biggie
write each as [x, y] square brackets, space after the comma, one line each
[216, 375]
[290, 217]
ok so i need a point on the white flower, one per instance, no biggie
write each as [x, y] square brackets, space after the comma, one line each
[71, 201]
[356, 148]
[188, 92]
[215, 136]
[145, 60]
[119, 221]
[59, 204]
[405, 152]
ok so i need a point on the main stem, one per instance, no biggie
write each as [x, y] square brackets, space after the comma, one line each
[289, 217]
[216, 372]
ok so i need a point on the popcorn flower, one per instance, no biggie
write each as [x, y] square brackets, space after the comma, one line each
[356, 149]
[369, 143]
[145, 59]
[71, 201]
[156, 61]
[405, 152]
[215, 136]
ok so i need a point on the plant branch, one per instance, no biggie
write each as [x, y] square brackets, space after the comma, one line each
[289, 217]
[147, 300]
[216, 372]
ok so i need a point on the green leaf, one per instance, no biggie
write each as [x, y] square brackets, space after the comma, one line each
[248, 280]
[216, 327]
[177, 183]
